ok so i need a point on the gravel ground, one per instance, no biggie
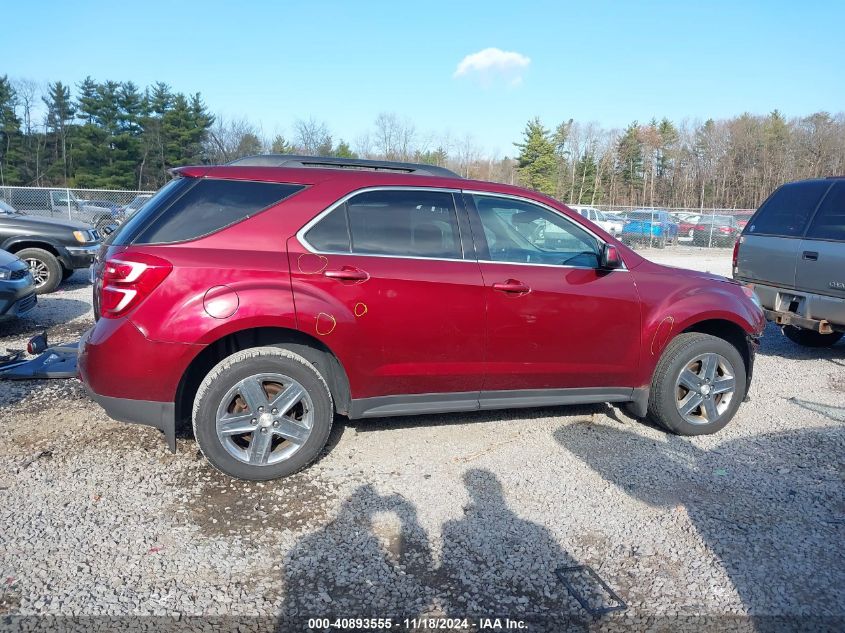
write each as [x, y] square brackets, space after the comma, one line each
[452, 515]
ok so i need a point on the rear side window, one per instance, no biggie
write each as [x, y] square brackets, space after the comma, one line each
[206, 206]
[402, 223]
[829, 222]
[787, 211]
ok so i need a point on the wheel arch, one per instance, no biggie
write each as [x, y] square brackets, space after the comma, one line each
[729, 331]
[313, 350]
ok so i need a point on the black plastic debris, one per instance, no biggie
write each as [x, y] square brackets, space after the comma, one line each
[592, 593]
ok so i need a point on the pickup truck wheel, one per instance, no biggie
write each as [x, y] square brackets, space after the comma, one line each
[45, 269]
[262, 413]
[698, 385]
[809, 338]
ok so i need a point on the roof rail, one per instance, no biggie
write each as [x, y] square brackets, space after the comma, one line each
[333, 162]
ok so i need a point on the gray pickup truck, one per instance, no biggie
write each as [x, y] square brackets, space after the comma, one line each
[792, 251]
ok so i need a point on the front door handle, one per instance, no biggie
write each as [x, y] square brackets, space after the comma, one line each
[347, 273]
[512, 286]
[811, 255]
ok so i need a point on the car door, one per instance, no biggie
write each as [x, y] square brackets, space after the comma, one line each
[554, 319]
[381, 278]
[820, 265]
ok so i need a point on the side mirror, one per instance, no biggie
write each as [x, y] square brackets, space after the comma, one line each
[610, 257]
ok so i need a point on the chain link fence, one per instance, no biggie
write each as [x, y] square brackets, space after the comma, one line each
[666, 226]
[97, 207]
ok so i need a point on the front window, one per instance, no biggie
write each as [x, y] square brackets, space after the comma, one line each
[521, 232]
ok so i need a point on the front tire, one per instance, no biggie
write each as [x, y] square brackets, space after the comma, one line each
[809, 338]
[45, 269]
[698, 385]
[262, 413]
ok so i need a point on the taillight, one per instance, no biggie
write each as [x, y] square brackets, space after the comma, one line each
[735, 254]
[128, 279]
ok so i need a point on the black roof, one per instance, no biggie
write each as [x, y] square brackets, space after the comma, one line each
[292, 160]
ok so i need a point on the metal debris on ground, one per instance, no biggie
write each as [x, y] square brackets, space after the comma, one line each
[591, 590]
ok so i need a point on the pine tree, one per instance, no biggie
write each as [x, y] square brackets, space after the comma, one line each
[537, 165]
[629, 152]
[10, 135]
[60, 113]
[280, 145]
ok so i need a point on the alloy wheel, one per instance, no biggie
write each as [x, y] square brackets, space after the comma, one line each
[264, 419]
[39, 271]
[704, 388]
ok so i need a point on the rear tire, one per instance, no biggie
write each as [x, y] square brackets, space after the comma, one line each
[686, 359]
[45, 268]
[293, 434]
[809, 338]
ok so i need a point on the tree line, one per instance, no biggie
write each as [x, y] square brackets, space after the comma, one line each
[116, 135]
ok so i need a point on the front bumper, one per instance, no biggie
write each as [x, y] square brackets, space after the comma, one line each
[17, 297]
[82, 256]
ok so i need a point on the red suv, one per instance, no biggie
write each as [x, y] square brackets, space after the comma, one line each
[259, 299]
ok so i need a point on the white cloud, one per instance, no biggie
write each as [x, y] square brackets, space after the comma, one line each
[493, 63]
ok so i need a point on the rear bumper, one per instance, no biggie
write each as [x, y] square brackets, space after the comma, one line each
[133, 378]
[808, 310]
[161, 415]
[822, 326]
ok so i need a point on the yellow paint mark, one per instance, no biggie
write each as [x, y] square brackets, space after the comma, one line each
[360, 309]
[310, 264]
[326, 324]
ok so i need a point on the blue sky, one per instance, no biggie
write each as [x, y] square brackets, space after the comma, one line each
[344, 62]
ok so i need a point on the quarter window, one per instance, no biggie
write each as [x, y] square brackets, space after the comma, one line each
[525, 233]
[829, 222]
[208, 206]
[415, 223]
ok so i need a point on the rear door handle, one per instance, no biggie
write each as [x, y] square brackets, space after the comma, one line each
[811, 255]
[512, 286]
[347, 273]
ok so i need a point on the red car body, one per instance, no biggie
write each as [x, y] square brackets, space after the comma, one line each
[395, 326]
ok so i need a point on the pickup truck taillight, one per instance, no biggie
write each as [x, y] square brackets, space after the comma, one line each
[128, 280]
[735, 255]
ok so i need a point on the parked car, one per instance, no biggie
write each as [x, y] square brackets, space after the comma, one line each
[715, 230]
[17, 288]
[115, 214]
[614, 227]
[257, 300]
[56, 203]
[649, 227]
[792, 252]
[742, 219]
[136, 203]
[686, 227]
[52, 247]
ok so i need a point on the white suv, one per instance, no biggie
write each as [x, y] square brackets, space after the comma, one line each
[595, 216]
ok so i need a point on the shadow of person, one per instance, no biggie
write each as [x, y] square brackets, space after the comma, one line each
[373, 559]
[495, 563]
[770, 508]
